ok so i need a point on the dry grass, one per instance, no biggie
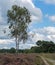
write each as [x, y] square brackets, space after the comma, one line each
[49, 55]
[50, 63]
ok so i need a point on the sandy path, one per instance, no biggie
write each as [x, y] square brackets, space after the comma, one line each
[51, 60]
[46, 63]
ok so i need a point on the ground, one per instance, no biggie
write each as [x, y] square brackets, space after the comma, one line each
[25, 59]
[50, 58]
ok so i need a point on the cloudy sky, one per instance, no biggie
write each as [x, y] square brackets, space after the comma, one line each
[42, 26]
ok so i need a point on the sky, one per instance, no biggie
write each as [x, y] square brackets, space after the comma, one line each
[42, 26]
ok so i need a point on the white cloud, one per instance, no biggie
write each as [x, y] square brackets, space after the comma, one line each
[34, 18]
[6, 4]
[51, 37]
[35, 36]
[49, 30]
[4, 32]
[49, 1]
[29, 1]
[1, 18]
[46, 33]
[38, 37]
[51, 18]
[6, 41]
[26, 46]
[36, 12]
[5, 47]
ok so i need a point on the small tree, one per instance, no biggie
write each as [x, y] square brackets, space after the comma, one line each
[18, 19]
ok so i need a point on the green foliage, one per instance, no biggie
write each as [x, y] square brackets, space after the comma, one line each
[12, 50]
[43, 47]
[46, 46]
[36, 49]
[27, 51]
[18, 19]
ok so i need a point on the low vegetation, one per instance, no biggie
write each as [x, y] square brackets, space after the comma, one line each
[20, 59]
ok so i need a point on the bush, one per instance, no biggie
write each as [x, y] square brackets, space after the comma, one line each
[12, 50]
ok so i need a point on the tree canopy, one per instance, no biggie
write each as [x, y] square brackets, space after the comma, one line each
[18, 19]
[46, 46]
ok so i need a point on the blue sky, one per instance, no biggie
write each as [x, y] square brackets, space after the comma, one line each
[42, 26]
[47, 10]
